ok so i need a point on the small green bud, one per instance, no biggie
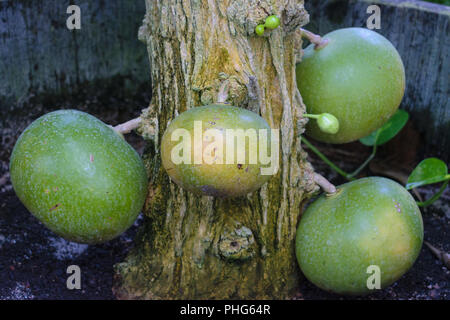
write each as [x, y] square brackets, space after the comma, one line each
[259, 29]
[328, 123]
[272, 22]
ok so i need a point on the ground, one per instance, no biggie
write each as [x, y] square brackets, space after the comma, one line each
[33, 260]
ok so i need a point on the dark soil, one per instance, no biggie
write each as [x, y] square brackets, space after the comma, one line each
[33, 260]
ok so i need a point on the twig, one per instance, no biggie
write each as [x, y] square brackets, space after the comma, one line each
[315, 39]
[441, 255]
[128, 126]
[326, 185]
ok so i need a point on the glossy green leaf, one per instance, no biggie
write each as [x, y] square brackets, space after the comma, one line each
[428, 171]
[388, 131]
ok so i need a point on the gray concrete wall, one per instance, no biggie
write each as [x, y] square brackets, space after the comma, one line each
[421, 33]
[38, 53]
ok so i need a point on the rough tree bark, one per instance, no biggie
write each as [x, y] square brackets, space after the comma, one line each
[193, 247]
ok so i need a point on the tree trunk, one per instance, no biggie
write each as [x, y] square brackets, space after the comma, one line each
[194, 247]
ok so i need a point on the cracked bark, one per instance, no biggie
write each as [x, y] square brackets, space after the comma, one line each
[193, 247]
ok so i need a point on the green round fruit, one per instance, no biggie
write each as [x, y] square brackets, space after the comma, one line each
[272, 22]
[259, 29]
[214, 174]
[328, 123]
[369, 222]
[78, 176]
[358, 77]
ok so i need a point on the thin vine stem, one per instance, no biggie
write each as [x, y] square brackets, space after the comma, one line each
[346, 175]
[370, 158]
[325, 159]
[435, 197]
[351, 176]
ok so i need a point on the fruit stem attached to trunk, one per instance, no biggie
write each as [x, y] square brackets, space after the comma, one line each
[317, 40]
[326, 185]
[222, 96]
[128, 126]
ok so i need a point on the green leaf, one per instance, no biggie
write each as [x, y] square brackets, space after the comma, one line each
[428, 171]
[388, 131]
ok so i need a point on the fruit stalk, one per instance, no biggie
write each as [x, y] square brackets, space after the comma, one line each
[128, 126]
[326, 185]
[222, 95]
[317, 40]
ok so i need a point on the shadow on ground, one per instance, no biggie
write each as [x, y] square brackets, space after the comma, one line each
[33, 261]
